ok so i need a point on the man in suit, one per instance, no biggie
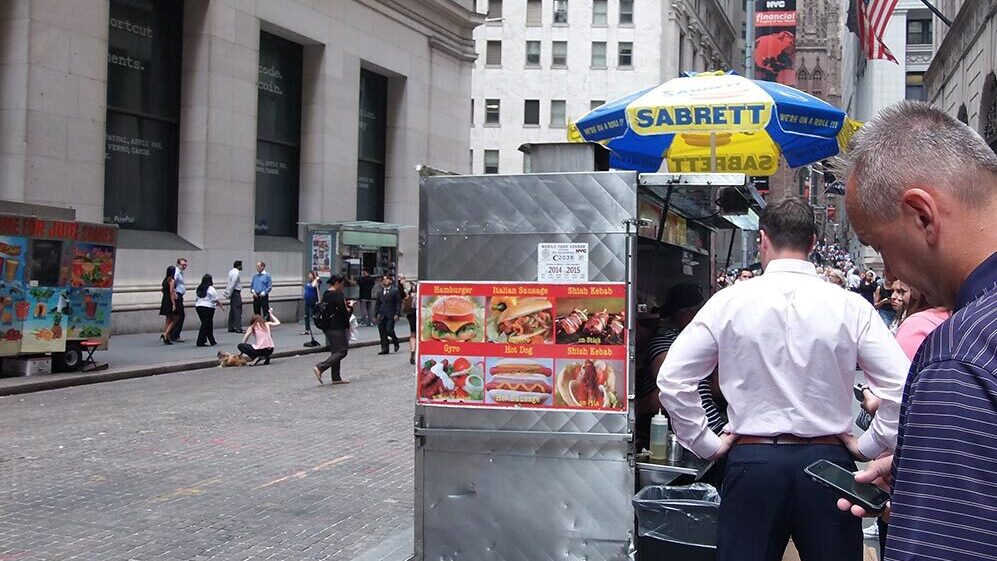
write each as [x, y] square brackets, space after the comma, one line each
[387, 307]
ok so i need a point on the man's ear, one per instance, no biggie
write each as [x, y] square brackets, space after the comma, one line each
[921, 208]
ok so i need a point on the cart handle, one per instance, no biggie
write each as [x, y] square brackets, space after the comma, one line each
[422, 431]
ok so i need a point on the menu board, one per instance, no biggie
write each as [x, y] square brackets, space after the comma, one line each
[523, 345]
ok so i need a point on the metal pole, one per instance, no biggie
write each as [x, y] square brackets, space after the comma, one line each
[749, 40]
[713, 152]
[937, 12]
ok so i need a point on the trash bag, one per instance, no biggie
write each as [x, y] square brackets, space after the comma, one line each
[685, 514]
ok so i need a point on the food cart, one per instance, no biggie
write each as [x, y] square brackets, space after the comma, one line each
[524, 417]
[55, 292]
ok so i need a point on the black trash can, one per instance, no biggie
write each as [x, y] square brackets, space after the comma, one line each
[677, 522]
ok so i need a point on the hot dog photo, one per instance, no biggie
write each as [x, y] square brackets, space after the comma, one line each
[457, 319]
[515, 381]
[520, 320]
[590, 321]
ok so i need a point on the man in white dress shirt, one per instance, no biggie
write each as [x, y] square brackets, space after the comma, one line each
[786, 344]
[233, 291]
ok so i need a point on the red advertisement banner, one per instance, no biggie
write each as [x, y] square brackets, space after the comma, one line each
[560, 346]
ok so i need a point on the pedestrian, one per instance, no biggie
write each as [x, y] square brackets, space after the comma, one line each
[409, 306]
[882, 300]
[386, 310]
[744, 274]
[262, 346]
[260, 287]
[336, 331]
[366, 310]
[180, 288]
[836, 277]
[867, 287]
[168, 305]
[310, 298]
[786, 344]
[207, 300]
[922, 189]
[233, 291]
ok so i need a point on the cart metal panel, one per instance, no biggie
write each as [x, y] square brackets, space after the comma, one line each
[521, 484]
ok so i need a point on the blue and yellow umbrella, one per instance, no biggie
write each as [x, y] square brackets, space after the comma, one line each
[716, 122]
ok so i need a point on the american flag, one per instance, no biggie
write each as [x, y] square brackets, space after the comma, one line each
[873, 17]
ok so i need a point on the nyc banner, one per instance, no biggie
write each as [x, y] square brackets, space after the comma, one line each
[775, 41]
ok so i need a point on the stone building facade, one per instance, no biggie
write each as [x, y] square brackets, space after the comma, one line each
[214, 129]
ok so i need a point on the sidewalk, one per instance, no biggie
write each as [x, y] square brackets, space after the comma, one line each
[134, 356]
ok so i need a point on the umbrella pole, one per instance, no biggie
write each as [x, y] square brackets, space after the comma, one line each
[713, 152]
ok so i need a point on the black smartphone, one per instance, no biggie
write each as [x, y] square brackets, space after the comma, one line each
[871, 498]
[857, 389]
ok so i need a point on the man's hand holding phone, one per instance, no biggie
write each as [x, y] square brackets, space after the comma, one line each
[878, 473]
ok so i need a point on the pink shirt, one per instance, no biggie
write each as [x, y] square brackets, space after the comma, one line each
[261, 337]
[917, 327]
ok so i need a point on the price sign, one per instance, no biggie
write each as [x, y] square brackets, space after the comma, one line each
[562, 262]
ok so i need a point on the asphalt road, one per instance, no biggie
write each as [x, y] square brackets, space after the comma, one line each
[234, 463]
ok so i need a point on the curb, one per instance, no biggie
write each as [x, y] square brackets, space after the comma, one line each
[143, 371]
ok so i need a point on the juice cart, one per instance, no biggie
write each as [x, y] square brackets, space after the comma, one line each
[55, 292]
[524, 414]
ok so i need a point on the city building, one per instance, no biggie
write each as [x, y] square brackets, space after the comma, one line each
[962, 78]
[216, 130]
[544, 63]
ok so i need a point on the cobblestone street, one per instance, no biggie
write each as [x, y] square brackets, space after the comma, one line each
[233, 464]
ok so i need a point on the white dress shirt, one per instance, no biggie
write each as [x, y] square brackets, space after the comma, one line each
[787, 344]
[210, 299]
[234, 282]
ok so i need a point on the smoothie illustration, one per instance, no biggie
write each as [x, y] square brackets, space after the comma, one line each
[10, 269]
[41, 309]
[89, 307]
[21, 310]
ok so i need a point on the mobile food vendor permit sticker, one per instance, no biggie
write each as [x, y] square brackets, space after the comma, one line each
[562, 262]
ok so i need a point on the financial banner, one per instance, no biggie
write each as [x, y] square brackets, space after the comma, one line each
[775, 41]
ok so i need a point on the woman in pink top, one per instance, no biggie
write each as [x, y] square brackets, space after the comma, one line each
[915, 320]
[259, 330]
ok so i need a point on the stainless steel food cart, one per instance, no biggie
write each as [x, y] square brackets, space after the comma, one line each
[523, 484]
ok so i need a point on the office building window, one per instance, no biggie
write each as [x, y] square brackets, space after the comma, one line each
[492, 111]
[681, 50]
[533, 53]
[600, 12]
[373, 146]
[596, 103]
[493, 53]
[494, 10]
[598, 54]
[143, 114]
[626, 12]
[560, 11]
[626, 55]
[534, 12]
[278, 136]
[472, 110]
[558, 119]
[531, 112]
[491, 161]
[918, 31]
[559, 54]
[915, 86]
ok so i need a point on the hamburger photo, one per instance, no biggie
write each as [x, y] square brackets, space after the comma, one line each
[455, 318]
[517, 381]
[526, 321]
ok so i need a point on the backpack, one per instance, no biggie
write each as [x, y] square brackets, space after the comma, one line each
[407, 305]
[322, 315]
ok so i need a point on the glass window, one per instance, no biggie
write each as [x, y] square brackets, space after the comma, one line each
[143, 111]
[598, 54]
[493, 53]
[492, 111]
[915, 86]
[494, 9]
[557, 114]
[626, 12]
[595, 103]
[626, 54]
[559, 54]
[491, 161]
[472, 110]
[372, 150]
[560, 11]
[278, 136]
[533, 53]
[600, 11]
[918, 31]
[531, 112]
[534, 12]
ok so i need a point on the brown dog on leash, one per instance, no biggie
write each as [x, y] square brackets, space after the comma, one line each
[225, 359]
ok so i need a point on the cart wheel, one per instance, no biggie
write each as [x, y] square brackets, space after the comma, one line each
[69, 360]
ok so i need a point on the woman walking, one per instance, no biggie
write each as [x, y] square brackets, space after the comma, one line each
[207, 300]
[259, 330]
[337, 331]
[311, 297]
[168, 306]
